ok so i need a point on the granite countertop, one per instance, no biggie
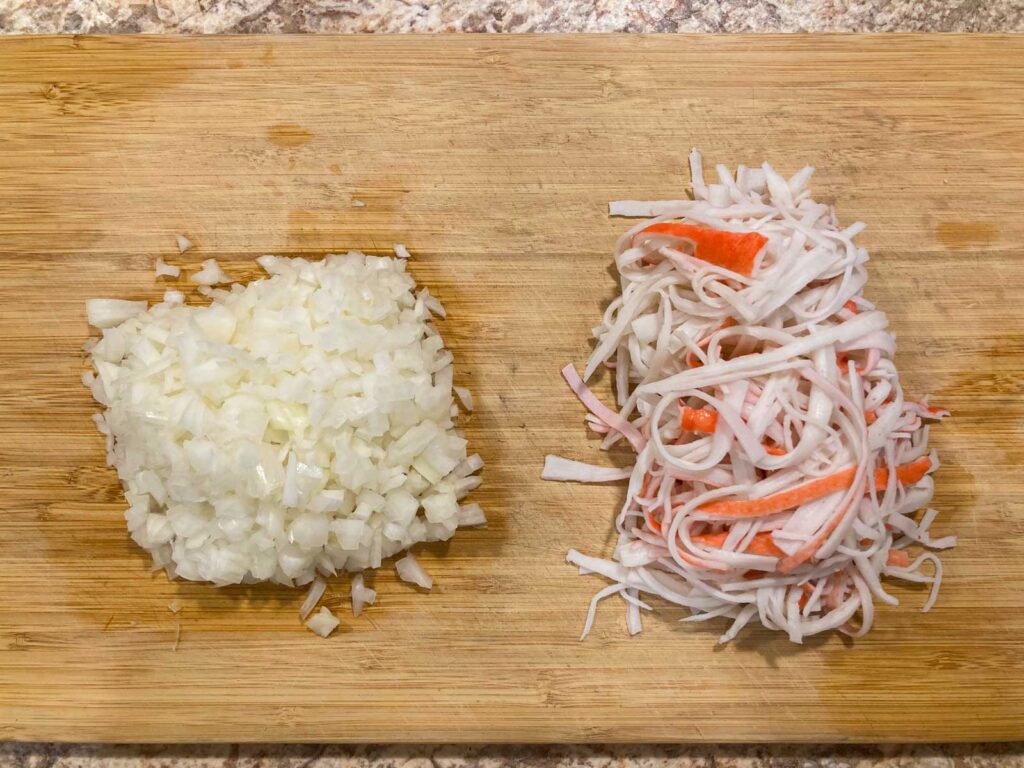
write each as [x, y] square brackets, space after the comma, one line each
[263, 16]
[325, 16]
[607, 756]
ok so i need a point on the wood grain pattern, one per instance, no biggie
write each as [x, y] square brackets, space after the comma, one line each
[493, 160]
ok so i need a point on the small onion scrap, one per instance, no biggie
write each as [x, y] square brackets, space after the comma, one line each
[323, 623]
[316, 591]
[211, 274]
[361, 594]
[779, 468]
[409, 569]
[183, 243]
[163, 269]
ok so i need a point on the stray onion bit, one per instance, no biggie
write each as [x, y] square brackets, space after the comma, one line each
[174, 606]
[471, 515]
[431, 303]
[177, 636]
[108, 313]
[323, 623]
[296, 425]
[164, 269]
[465, 397]
[361, 594]
[211, 274]
[409, 569]
[402, 252]
[358, 204]
[316, 591]
[183, 243]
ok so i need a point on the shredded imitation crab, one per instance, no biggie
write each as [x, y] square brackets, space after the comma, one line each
[779, 468]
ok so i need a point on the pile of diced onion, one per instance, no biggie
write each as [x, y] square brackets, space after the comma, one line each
[301, 424]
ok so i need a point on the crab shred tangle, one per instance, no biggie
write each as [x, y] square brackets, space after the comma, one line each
[779, 469]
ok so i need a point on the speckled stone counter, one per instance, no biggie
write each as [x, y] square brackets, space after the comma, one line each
[311, 756]
[340, 16]
[260, 16]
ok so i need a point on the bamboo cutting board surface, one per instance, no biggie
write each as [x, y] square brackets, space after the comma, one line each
[493, 160]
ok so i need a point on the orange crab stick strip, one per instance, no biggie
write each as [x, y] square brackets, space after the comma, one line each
[908, 474]
[761, 544]
[735, 251]
[698, 419]
[898, 557]
[706, 419]
[691, 359]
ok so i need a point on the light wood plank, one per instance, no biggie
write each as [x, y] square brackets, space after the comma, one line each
[493, 160]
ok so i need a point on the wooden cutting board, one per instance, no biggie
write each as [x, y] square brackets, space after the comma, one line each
[493, 159]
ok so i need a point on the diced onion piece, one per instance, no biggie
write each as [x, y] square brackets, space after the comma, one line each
[361, 595]
[323, 623]
[432, 303]
[473, 464]
[316, 591]
[470, 515]
[465, 397]
[402, 252]
[410, 570]
[174, 606]
[165, 269]
[358, 204]
[183, 243]
[211, 274]
[110, 313]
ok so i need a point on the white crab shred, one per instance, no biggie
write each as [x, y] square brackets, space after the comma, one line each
[558, 468]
